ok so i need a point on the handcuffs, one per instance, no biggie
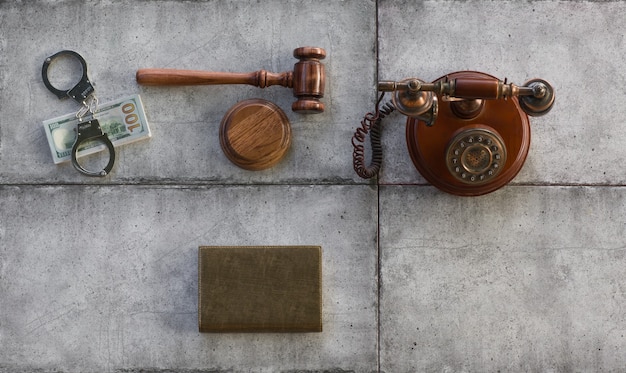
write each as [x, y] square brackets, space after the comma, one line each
[83, 93]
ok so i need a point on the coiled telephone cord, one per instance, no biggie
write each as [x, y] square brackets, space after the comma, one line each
[371, 124]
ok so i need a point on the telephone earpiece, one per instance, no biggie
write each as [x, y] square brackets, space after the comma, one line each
[467, 133]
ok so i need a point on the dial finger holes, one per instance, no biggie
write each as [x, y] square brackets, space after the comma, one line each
[475, 155]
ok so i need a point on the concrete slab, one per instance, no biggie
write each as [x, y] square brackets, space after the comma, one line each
[99, 274]
[578, 46]
[527, 278]
[471, 285]
[117, 38]
[104, 278]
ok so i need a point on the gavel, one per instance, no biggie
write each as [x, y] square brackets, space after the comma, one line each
[307, 79]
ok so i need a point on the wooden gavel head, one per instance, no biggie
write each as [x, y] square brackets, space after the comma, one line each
[307, 79]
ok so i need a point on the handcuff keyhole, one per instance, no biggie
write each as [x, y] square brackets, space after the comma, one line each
[64, 72]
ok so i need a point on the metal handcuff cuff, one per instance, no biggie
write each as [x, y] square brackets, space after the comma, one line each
[83, 93]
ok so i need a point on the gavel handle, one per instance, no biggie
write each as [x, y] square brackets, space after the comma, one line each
[172, 77]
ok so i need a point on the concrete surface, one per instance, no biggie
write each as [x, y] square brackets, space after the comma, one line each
[104, 278]
[533, 287]
[579, 46]
[99, 275]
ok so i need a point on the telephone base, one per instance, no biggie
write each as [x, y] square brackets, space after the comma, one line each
[502, 127]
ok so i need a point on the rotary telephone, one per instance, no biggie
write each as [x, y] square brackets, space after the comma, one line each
[467, 132]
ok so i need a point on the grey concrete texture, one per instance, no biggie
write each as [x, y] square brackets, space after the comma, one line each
[118, 38]
[100, 274]
[527, 279]
[578, 46]
[104, 278]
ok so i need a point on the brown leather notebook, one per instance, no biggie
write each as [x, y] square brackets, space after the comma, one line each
[259, 289]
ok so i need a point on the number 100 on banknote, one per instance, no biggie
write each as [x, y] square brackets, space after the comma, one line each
[124, 121]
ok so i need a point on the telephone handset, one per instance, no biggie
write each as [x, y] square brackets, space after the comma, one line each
[467, 132]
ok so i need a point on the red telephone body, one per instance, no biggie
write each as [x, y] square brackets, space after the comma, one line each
[500, 119]
[467, 133]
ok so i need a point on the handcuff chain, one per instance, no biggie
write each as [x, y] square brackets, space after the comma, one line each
[89, 105]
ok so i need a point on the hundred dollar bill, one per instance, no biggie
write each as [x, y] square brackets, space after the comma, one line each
[123, 120]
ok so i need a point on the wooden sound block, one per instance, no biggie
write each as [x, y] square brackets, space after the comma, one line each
[259, 289]
[255, 134]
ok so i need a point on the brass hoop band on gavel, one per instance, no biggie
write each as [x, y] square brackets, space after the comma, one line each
[307, 79]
